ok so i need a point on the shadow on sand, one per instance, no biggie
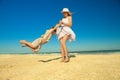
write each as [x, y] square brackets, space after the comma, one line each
[70, 56]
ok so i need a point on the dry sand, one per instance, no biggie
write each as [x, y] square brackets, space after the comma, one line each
[49, 67]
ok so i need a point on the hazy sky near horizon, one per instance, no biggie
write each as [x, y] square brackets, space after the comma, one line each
[96, 23]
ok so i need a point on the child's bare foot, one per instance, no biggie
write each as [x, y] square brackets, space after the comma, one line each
[23, 45]
[22, 41]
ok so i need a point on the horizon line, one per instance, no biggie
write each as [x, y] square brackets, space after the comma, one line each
[84, 51]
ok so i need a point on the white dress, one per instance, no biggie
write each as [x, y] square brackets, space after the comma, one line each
[65, 30]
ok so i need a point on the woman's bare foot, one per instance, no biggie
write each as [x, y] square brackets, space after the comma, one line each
[66, 59]
[62, 60]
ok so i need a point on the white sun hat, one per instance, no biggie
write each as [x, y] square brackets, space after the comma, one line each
[66, 10]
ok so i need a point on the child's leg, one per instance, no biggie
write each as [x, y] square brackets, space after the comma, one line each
[29, 44]
[33, 46]
[34, 50]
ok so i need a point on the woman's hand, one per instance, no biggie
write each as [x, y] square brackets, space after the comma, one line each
[60, 22]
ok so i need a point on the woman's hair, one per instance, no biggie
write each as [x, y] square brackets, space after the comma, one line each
[69, 14]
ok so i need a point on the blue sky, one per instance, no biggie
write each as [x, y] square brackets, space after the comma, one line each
[95, 22]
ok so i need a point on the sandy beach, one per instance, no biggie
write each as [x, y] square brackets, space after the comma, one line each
[49, 67]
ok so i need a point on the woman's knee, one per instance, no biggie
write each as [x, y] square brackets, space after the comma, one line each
[65, 38]
[63, 41]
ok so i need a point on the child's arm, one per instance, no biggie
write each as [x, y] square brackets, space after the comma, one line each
[56, 26]
[48, 34]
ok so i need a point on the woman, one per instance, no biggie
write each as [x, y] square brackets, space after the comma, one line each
[64, 33]
[36, 44]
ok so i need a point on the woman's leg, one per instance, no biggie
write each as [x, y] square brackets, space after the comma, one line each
[62, 50]
[65, 38]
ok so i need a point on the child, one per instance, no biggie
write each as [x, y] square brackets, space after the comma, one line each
[36, 44]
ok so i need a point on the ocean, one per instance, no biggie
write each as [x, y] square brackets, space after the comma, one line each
[75, 52]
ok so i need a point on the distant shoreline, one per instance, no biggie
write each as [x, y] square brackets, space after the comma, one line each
[74, 52]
